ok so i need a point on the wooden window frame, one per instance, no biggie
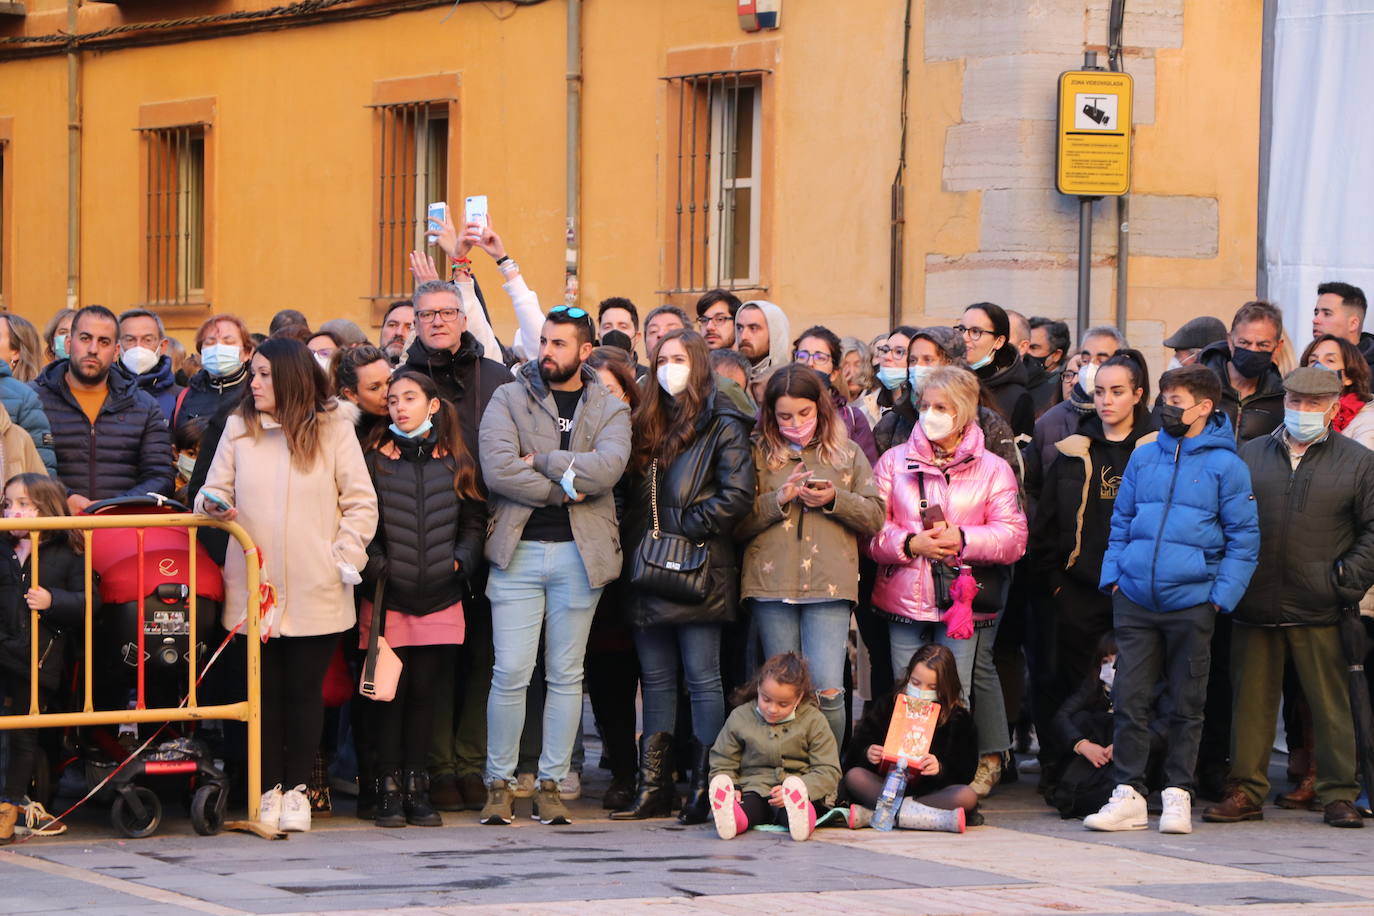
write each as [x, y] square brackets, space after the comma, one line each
[438, 91]
[153, 118]
[754, 62]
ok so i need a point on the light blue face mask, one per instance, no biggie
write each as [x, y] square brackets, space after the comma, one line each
[59, 346]
[982, 362]
[415, 433]
[790, 716]
[920, 693]
[891, 377]
[917, 375]
[566, 482]
[1304, 425]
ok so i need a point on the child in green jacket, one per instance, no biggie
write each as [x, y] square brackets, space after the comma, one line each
[776, 757]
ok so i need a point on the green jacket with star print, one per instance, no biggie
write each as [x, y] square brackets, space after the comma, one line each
[795, 553]
[758, 756]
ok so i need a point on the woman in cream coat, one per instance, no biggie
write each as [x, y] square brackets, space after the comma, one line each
[290, 467]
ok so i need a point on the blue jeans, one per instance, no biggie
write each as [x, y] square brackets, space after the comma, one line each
[820, 632]
[698, 644]
[544, 588]
[977, 674]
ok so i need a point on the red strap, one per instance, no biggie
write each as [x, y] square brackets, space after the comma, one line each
[176, 411]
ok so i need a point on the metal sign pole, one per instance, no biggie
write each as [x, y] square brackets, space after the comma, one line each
[1085, 259]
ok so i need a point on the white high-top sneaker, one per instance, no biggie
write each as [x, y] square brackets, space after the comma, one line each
[1178, 811]
[295, 810]
[913, 815]
[269, 809]
[1125, 811]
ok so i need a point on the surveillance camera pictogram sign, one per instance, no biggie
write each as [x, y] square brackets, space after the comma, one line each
[1094, 112]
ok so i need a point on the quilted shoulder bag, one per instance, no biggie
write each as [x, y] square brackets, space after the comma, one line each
[669, 565]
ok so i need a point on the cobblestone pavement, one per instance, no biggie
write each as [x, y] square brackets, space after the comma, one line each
[1026, 860]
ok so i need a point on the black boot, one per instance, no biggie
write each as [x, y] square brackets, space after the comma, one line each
[697, 808]
[655, 796]
[620, 793]
[390, 807]
[418, 810]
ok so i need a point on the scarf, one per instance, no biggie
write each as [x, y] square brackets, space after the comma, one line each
[1350, 404]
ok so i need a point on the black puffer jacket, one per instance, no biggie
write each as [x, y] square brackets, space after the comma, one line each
[63, 573]
[423, 527]
[1316, 531]
[157, 381]
[127, 453]
[1252, 417]
[1073, 520]
[1005, 379]
[465, 379]
[701, 495]
[206, 394]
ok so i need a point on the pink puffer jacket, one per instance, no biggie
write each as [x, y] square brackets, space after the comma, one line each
[978, 493]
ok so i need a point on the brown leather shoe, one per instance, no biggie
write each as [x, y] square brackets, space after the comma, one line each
[1236, 807]
[1303, 798]
[1342, 814]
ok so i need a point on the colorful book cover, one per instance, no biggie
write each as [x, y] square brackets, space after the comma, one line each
[912, 727]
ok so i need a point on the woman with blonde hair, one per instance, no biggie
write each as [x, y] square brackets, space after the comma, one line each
[950, 503]
[814, 499]
[23, 350]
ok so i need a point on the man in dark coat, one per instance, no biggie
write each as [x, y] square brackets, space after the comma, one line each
[143, 358]
[1314, 489]
[110, 437]
[1251, 387]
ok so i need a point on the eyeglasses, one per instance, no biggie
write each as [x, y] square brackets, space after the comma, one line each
[1070, 375]
[898, 352]
[442, 314]
[714, 320]
[973, 334]
[820, 356]
[151, 341]
[571, 311]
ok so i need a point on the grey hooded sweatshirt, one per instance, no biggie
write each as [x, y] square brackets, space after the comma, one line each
[779, 338]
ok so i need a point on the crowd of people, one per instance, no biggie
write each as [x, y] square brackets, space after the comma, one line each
[748, 532]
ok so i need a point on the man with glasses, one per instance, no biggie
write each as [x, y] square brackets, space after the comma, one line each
[143, 359]
[554, 444]
[716, 318]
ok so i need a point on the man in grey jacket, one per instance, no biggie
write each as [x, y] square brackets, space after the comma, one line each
[554, 443]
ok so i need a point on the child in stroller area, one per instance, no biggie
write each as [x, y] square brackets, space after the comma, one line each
[59, 598]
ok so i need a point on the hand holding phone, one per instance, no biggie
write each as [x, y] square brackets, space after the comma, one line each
[475, 209]
[435, 217]
[217, 501]
[932, 516]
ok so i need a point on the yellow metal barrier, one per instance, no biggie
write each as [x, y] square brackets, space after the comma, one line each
[249, 711]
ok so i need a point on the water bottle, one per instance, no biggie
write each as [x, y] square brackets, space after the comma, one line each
[894, 787]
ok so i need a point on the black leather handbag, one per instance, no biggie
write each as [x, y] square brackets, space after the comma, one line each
[669, 565]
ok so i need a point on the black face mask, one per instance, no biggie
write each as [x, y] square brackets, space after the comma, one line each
[1171, 420]
[1034, 363]
[1251, 363]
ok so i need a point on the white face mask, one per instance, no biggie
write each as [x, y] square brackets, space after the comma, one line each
[139, 360]
[672, 377]
[221, 359]
[1087, 378]
[322, 360]
[186, 465]
[1108, 674]
[937, 425]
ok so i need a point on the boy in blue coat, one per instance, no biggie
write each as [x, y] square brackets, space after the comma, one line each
[1184, 543]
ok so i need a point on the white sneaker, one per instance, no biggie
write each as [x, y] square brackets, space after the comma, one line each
[269, 809]
[1178, 811]
[570, 786]
[524, 785]
[295, 811]
[1125, 811]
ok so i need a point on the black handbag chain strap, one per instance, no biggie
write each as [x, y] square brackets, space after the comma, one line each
[378, 623]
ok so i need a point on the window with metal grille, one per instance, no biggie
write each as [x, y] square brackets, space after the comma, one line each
[174, 212]
[412, 173]
[716, 194]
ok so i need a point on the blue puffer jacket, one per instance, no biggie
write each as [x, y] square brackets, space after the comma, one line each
[1185, 530]
[27, 412]
[128, 452]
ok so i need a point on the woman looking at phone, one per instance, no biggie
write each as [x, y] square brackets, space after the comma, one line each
[949, 500]
[289, 469]
[815, 498]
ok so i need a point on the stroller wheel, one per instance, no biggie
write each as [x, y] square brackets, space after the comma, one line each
[137, 812]
[207, 809]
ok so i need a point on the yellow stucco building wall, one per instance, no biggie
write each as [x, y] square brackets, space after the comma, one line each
[292, 168]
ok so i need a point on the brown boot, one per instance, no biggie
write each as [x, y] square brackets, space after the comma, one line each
[1342, 814]
[1304, 797]
[8, 815]
[1236, 807]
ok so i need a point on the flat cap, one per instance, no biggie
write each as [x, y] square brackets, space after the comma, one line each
[950, 341]
[1196, 334]
[1313, 381]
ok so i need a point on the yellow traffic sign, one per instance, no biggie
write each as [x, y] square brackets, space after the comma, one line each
[1094, 158]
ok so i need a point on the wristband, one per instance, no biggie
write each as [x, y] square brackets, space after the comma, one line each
[509, 269]
[464, 261]
[503, 259]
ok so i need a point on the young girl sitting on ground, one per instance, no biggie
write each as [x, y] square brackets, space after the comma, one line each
[777, 728]
[938, 793]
